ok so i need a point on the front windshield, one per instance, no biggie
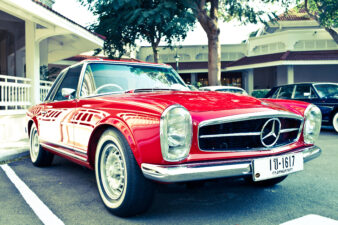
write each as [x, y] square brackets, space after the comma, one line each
[327, 90]
[103, 78]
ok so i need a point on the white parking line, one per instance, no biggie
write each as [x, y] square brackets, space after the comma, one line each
[39, 208]
[311, 219]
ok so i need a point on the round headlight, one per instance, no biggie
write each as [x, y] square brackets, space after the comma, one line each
[312, 125]
[175, 133]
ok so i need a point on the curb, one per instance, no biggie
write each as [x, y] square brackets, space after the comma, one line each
[11, 154]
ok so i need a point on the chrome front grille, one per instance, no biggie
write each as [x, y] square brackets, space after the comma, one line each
[256, 131]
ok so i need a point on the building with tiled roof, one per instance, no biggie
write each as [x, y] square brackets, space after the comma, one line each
[294, 14]
[32, 37]
[292, 49]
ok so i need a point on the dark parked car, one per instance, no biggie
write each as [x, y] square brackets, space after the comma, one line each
[324, 95]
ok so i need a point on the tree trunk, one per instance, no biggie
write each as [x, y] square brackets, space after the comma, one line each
[333, 34]
[155, 54]
[210, 26]
[214, 59]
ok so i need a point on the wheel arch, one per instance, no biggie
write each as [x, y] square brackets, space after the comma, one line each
[333, 112]
[30, 124]
[117, 125]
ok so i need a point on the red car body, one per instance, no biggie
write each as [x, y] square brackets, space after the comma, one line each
[137, 116]
[72, 128]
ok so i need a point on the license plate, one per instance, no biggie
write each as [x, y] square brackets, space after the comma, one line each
[271, 167]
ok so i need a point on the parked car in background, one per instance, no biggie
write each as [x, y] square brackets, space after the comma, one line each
[323, 95]
[230, 89]
[192, 87]
[259, 93]
[137, 123]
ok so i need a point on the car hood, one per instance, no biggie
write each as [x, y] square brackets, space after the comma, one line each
[221, 104]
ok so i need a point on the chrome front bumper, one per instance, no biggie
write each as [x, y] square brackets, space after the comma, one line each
[211, 170]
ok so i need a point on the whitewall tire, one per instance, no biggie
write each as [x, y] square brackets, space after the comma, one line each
[38, 155]
[122, 187]
[335, 122]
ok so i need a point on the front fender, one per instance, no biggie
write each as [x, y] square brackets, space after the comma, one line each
[297, 107]
[141, 132]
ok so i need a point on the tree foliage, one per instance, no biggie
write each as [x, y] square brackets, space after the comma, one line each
[325, 12]
[208, 12]
[123, 22]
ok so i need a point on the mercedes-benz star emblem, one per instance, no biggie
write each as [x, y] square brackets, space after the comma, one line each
[270, 132]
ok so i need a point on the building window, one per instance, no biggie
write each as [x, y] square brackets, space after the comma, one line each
[231, 79]
[202, 79]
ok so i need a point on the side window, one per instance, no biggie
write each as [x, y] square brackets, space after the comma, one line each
[99, 79]
[286, 92]
[70, 81]
[275, 94]
[88, 85]
[52, 90]
[304, 91]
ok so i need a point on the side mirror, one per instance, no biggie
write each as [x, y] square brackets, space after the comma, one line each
[307, 94]
[68, 92]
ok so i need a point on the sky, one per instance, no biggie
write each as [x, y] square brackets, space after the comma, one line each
[231, 33]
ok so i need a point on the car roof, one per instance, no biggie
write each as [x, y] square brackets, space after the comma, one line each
[312, 83]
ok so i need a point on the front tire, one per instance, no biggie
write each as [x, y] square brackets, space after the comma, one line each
[265, 183]
[122, 187]
[38, 155]
[335, 122]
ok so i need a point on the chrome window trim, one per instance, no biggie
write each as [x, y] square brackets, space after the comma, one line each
[65, 146]
[64, 152]
[277, 95]
[251, 116]
[81, 78]
[86, 63]
[60, 81]
[129, 63]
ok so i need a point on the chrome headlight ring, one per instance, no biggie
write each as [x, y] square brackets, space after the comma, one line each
[312, 124]
[175, 133]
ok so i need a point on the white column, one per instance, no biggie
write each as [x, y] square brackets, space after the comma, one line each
[44, 52]
[32, 61]
[44, 55]
[248, 76]
[193, 78]
[290, 74]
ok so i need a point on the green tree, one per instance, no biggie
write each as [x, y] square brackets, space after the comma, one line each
[325, 12]
[208, 12]
[123, 22]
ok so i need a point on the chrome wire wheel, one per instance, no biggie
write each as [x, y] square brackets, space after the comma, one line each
[121, 185]
[112, 171]
[34, 145]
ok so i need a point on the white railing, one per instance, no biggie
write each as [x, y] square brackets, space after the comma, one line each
[44, 88]
[14, 93]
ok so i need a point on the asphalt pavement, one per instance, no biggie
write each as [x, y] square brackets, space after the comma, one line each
[70, 192]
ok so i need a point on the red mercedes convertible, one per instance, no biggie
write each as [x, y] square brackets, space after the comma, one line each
[137, 123]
